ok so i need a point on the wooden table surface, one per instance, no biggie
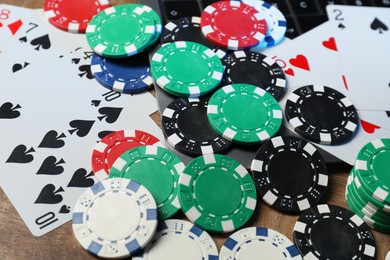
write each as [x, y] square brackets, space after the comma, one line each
[16, 241]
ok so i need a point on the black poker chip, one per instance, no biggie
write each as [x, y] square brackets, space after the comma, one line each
[332, 232]
[321, 114]
[188, 29]
[289, 174]
[186, 127]
[255, 69]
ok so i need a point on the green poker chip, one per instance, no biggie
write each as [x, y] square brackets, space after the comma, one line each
[363, 207]
[376, 225]
[217, 193]
[186, 69]
[372, 169]
[368, 199]
[157, 24]
[121, 30]
[157, 169]
[244, 114]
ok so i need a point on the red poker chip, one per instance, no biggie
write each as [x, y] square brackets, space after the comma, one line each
[73, 15]
[113, 145]
[233, 25]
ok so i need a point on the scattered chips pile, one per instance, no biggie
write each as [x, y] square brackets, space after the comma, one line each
[226, 95]
[368, 188]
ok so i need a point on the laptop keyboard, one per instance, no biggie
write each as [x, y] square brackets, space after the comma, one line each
[301, 15]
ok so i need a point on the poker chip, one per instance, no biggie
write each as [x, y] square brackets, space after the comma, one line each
[217, 193]
[115, 218]
[276, 22]
[255, 69]
[113, 145]
[372, 169]
[127, 75]
[289, 174]
[244, 114]
[157, 24]
[321, 114]
[258, 241]
[177, 239]
[186, 127]
[70, 15]
[188, 29]
[366, 192]
[186, 69]
[219, 23]
[332, 232]
[121, 30]
[157, 169]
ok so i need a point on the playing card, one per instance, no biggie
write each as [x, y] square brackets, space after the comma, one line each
[11, 19]
[53, 112]
[312, 59]
[363, 38]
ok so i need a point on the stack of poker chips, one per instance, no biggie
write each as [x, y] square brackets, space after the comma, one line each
[368, 186]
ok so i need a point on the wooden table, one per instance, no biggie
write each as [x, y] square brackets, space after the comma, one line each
[16, 241]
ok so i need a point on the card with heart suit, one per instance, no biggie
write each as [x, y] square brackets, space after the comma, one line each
[11, 19]
[52, 113]
[313, 59]
[363, 39]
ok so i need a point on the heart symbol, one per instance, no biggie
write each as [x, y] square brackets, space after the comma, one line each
[290, 72]
[368, 127]
[330, 44]
[300, 62]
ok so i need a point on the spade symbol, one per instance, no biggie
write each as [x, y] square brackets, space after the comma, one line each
[95, 103]
[21, 155]
[378, 25]
[110, 114]
[50, 166]
[341, 26]
[9, 111]
[49, 195]
[81, 179]
[52, 140]
[81, 127]
[86, 71]
[103, 134]
[17, 66]
[64, 209]
[75, 60]
[23, 39]
[41, 42]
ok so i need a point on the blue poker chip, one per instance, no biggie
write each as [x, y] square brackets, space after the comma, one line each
[127, 75]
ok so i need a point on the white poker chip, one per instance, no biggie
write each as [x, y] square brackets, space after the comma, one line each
[177, 240]
[276, 23]
[261, 242]
[115, 218]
